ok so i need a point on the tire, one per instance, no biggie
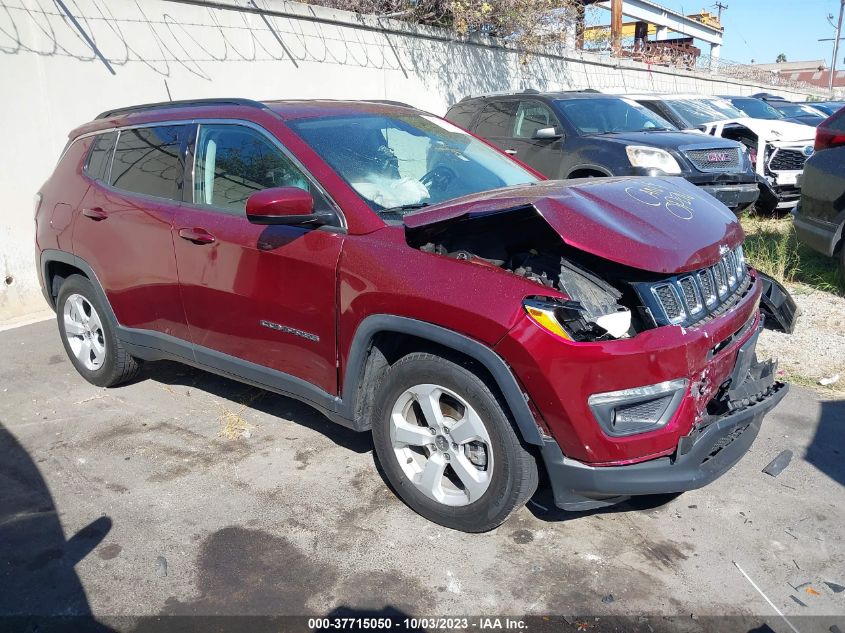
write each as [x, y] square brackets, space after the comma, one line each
[88, 336]
[474, 488]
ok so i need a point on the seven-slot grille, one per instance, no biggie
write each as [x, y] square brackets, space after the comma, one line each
[694, 297]
[716, 159]
[787, 159]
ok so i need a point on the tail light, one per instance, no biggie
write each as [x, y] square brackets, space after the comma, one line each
[827, 138]
[830, 133]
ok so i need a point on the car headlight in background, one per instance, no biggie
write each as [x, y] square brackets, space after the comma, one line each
[638, 410]
[652, 158]
[570, 321]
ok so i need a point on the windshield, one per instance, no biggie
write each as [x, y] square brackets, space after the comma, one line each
[399, 162]
[757, 109]
[610, 116]
[797, 109]
[697, 112]
[828, 108]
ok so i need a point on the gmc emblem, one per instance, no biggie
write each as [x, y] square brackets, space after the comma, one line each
[718, 157]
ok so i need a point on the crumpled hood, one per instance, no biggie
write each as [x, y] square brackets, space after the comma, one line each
[661, 225]
[771, 130]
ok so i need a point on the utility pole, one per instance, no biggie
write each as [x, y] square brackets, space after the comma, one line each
[616, 27]
[720, 8]
[835, 49]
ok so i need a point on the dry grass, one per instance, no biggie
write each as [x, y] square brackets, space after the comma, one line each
[772, 246]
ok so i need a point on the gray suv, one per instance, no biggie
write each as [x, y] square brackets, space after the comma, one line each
[588, 134]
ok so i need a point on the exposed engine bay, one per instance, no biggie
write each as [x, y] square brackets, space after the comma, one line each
[521, 242]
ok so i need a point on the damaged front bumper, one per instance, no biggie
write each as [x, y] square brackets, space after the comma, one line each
[736, 197]
[710, 449]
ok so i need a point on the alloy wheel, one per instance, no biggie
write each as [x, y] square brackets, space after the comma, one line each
[84, 332]
[441, 444]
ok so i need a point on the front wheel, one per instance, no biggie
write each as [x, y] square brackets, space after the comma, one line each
[448, 447]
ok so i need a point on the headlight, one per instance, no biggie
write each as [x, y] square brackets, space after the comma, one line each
[638, 410]
[652, 158]
[569, 320]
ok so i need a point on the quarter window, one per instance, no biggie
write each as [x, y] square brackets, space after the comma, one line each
[233, 162]
[98, 159]
[148, 161]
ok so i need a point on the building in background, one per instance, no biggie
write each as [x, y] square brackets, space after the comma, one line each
[814, 72]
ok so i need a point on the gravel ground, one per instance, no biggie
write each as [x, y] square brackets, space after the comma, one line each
[817, 347]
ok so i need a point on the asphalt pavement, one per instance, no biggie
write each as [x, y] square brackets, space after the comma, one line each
[184, 493]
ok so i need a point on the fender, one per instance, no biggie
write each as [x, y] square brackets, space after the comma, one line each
[494, 363]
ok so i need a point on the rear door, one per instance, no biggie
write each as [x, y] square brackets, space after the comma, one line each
[261, 294]
[495, 124]
[123, 228]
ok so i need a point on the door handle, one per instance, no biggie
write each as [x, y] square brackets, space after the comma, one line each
[95, 213]
[197, 236]
[510, 152]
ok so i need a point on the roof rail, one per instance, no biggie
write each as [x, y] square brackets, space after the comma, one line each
[389, 102]
[189, 103]
[505, 93]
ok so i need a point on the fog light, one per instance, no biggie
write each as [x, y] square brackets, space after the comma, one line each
[637, 410]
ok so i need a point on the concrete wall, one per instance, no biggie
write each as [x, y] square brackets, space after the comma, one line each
[158, 49]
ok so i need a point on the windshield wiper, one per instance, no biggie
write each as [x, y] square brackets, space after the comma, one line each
[656, 129]
[404, 208]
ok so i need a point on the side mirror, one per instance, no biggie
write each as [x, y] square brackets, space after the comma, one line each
[546, 133]
[285, 206]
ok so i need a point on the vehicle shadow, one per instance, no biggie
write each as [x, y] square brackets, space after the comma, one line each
[177, 374]
[825, 452]
[41, 590]
[542, 506]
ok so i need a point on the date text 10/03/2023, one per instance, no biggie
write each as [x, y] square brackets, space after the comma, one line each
[387, 623]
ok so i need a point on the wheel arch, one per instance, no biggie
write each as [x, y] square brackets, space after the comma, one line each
[586, 171]
[56, 266]
[382, 338]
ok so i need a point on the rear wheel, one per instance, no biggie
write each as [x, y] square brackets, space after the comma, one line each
[89, 338]
[448, 447]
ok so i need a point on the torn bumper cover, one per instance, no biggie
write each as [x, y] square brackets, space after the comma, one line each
[706, 453]
[778, 305]
[737, 197]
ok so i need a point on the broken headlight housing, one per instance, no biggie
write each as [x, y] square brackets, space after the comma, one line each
[572, 322]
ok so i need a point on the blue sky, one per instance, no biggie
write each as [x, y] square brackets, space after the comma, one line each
[760, 29]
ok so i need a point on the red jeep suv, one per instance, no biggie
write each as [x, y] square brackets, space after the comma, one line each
[406, 278]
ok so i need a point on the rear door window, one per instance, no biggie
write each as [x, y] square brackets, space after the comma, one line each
[99, 157]
[496, 120]
[148, 161]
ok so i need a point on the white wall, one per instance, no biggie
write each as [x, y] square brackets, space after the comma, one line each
[52, 81]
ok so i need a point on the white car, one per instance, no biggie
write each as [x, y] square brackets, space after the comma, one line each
[778, 149]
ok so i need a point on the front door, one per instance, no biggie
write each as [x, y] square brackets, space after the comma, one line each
[543, 154]
[262, 294]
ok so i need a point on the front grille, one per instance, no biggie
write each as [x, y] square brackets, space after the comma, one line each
[694, 298]
[715, 159]
[787, 160]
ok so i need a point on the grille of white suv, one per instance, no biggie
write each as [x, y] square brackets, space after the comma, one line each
[696, 297]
